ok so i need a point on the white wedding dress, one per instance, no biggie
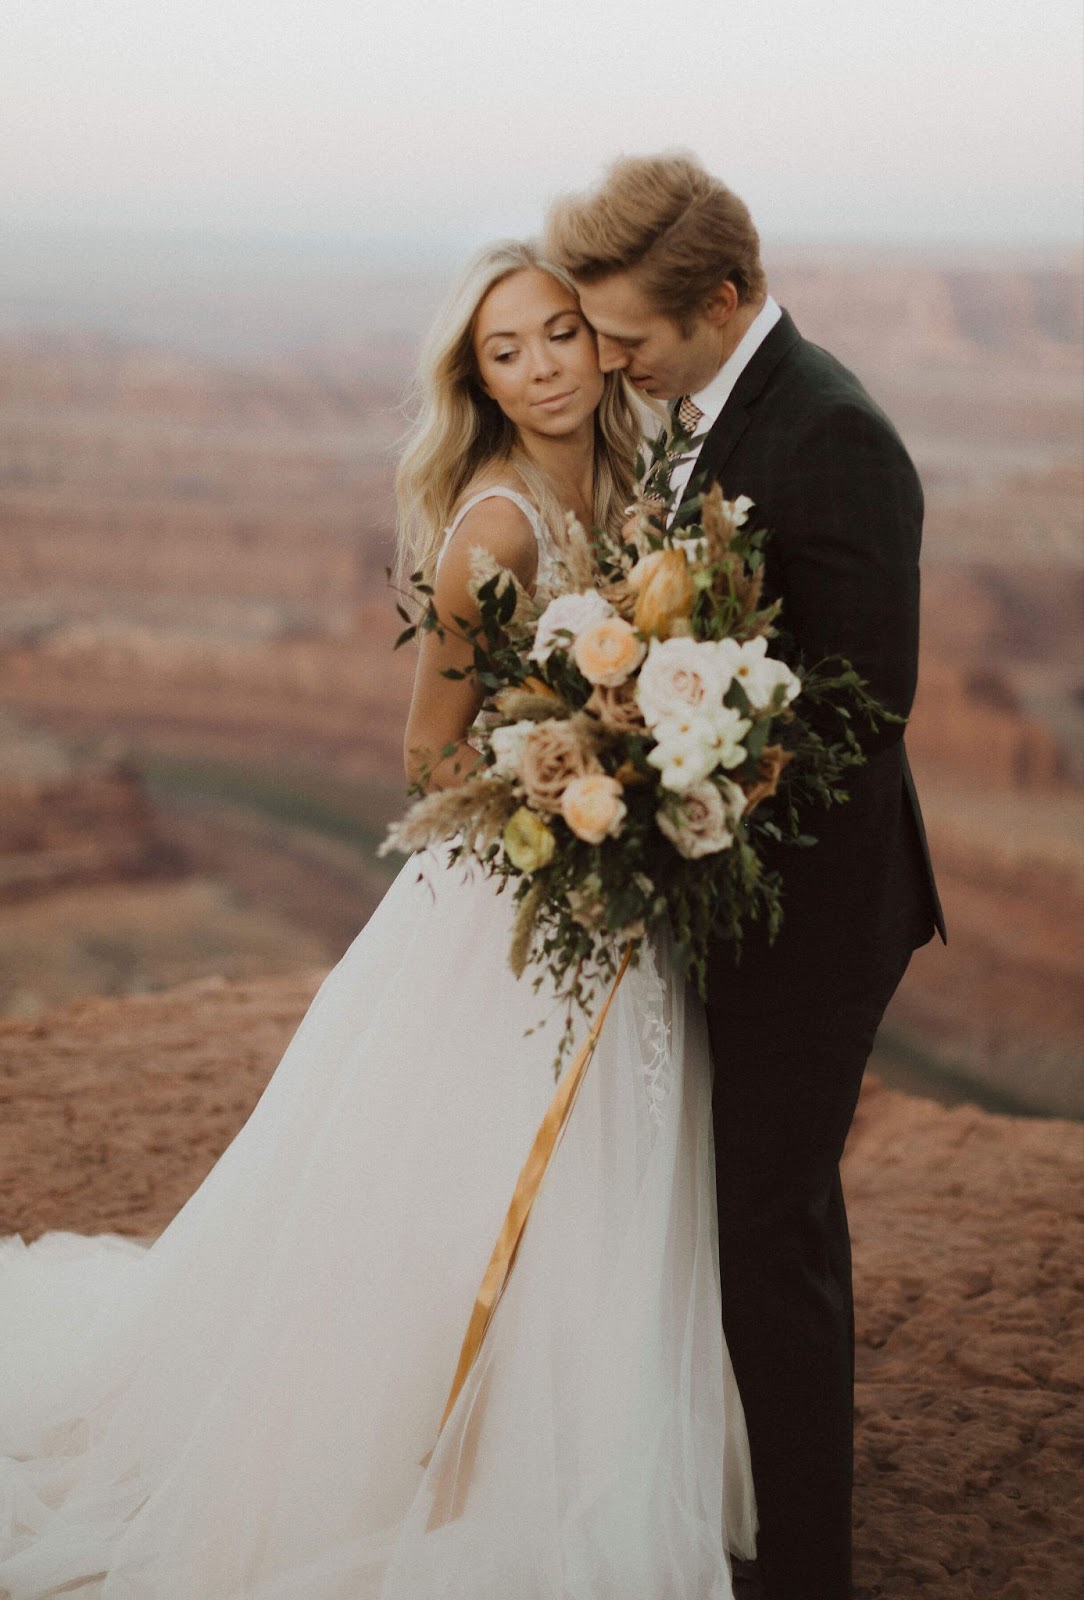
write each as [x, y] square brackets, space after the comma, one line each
[242, 1409]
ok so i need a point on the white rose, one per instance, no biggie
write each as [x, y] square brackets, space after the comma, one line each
[507, 743]
[700, 822]
[759, 674]
[679, 677]
[567, 615]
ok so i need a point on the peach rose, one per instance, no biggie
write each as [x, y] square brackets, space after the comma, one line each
[609, 652]
[553, 754]
[665, 592]
[593, 808]
[564, 619]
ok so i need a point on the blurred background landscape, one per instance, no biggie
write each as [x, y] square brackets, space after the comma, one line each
[200, 711]
[222, 232]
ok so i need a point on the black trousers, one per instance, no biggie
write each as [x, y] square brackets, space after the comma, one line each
[786, 1085]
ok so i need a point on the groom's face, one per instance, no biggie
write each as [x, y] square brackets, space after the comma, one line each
[649, 347]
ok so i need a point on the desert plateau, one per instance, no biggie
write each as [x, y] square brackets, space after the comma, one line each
[195, 522]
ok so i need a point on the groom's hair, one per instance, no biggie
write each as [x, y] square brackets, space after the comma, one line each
[665, 219]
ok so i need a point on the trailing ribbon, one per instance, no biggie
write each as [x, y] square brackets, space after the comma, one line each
[528, 1183]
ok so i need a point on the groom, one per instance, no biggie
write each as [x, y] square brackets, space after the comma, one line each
[667, 262]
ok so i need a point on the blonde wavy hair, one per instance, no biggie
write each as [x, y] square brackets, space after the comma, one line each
[459, 430]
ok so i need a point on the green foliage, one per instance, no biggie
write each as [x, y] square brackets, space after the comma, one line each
[577, 913]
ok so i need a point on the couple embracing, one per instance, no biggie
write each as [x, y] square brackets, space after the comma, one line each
[662, 1407]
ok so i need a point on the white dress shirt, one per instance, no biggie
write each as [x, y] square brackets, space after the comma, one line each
[714, 396]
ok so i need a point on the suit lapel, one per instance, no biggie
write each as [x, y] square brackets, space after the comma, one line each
[733, 420]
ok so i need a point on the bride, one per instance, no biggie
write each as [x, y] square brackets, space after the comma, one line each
[244, 1408]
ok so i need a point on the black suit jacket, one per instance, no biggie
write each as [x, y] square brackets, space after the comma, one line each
[831, 480]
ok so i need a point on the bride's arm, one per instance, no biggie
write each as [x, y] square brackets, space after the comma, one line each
[442, 709]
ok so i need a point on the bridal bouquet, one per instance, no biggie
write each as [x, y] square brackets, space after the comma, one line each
[640, 744]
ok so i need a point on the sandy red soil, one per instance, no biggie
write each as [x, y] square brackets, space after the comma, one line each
[968, 1243]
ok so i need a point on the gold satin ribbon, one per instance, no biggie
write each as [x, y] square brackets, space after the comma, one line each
[506, 1249]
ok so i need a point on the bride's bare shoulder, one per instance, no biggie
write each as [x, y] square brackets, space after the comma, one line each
[498, 524]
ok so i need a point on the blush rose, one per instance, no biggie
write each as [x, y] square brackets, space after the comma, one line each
[593, 807]
[553, 753]
[701, 821]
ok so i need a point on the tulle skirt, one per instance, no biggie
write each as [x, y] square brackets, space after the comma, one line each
[243, 1408]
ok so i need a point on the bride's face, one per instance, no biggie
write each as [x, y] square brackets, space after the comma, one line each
[536, 355]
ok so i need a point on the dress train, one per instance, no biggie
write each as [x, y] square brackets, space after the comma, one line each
[241, 1410]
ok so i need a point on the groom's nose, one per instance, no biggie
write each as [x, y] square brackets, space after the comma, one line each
[612, 357]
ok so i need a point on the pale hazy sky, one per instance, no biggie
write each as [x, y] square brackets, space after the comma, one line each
[940, 120]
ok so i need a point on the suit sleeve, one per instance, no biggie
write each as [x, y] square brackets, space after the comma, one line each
[848, 539]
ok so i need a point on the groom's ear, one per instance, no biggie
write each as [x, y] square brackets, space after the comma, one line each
[721, 304]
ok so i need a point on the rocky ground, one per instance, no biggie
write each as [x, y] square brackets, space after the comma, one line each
[968, 1233]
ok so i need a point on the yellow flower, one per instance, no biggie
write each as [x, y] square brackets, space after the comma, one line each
[527, 840]
[665, 592]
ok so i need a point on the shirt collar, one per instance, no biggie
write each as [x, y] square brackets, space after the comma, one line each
[714, 395]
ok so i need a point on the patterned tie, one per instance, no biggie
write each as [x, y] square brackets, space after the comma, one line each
[688, 414]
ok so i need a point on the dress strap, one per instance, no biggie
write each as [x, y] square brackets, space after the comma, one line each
[496, 491]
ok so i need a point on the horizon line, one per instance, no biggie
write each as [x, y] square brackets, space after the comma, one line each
[436, 247]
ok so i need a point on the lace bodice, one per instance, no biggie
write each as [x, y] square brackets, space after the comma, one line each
[547, 555]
